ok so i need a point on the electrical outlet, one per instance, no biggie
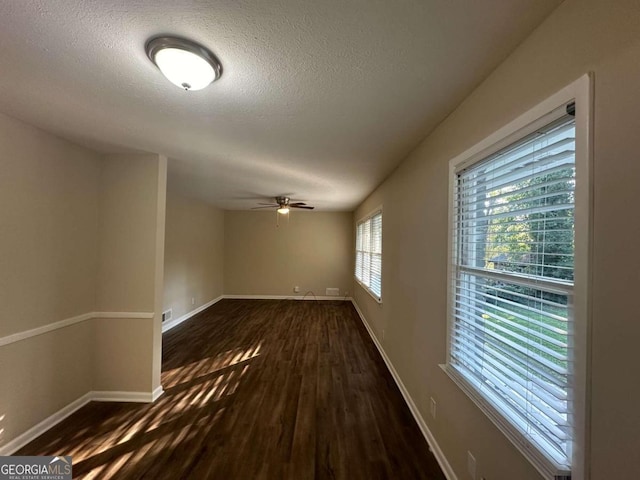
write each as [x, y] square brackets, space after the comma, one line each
[296, 289]
[471, 465]
[432, 407]
[193, 300]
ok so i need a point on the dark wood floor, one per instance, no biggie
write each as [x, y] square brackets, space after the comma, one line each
[255, 389]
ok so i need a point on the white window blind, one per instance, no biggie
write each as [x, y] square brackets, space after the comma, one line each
[512, 319]
[369, 254]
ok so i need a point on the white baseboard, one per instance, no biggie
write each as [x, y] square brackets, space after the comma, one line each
[433, 445]
[157, 393]
[174, 323]
[287, 297]
[110, 396]
[34, 432]
[37, 430]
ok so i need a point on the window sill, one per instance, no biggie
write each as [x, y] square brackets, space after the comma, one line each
[546, 467]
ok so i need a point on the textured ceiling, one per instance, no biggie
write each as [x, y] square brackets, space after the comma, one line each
[319, 99]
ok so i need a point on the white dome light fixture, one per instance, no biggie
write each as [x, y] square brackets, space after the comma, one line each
[185, 64]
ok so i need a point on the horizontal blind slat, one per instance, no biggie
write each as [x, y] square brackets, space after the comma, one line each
[555, 413]
[508, 404]
[558, 327]
[541, 370]
[555, 448]
[493, 182]
[555, 132]
[519, 159]
[487, 201]
[522, 212]
[539, 329]
[554, 394]
[471, 197]
[464, 226]
[522, 350]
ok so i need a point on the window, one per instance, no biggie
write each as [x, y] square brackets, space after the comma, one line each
[516, 321]
[369, 254]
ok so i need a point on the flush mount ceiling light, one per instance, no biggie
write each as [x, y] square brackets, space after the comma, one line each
[186, 64]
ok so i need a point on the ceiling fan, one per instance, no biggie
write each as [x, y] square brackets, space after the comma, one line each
[283, 204]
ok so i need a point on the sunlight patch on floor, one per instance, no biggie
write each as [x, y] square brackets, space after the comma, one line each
[206, 366]
[115, 466]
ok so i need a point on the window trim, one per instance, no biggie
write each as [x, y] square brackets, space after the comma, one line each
[581, 92]
[371, 214]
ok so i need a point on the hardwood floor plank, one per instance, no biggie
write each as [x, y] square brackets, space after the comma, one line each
[255, 389]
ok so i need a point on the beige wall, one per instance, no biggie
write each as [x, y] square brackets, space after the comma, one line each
[123, 350]
[49, 227]
[194, 254]
[49, 205]
[41, 375]
[80, 234]
[127, 230]
[314, 250]
[581, 36]
[132, 208]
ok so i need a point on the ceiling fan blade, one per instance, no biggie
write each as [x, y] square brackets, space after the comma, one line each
[302, 206]
[297, 204]
[269, 204]
[266, 206]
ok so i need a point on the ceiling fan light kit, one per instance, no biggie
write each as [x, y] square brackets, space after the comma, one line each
[186, 64]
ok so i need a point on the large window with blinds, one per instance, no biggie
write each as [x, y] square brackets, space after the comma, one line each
[369, 254]
[512, 293]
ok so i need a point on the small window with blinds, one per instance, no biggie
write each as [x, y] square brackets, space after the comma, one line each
[369, 254]
[512, 316]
